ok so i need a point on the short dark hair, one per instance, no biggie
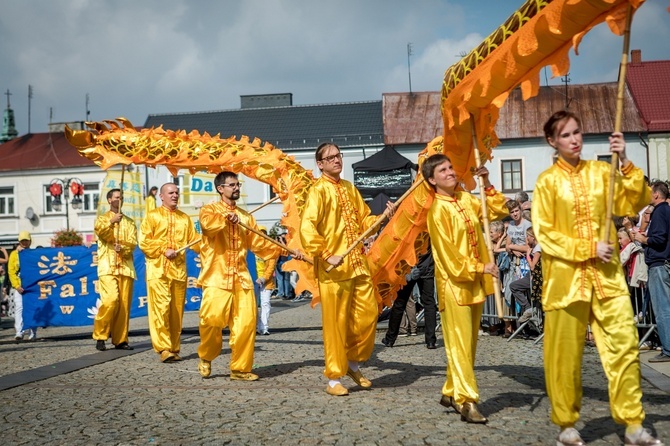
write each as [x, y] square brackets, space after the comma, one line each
[221, 177]
[322, 148]
[661, 187]
[551, 127]
[428, 166]
[111, 192]
[512, 204]
[153, 188]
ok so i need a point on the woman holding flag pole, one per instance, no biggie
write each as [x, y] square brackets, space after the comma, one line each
[583, 279]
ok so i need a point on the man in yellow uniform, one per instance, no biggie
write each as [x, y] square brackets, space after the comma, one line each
[335, 216]
[117, 238]
[14, 271]
[227, 290]
[583, 282]
[463, 274]
[163, 232]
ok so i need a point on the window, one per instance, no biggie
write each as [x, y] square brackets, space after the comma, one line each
[512, 175]
[184, 183]
[7, 200]
[91, 197]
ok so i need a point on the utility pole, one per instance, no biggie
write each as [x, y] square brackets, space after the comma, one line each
[409, 69]
[30, 96]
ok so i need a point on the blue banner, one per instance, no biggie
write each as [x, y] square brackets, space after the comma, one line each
[61, 285]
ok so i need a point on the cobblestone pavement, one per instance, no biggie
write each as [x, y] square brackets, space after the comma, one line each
[136, 400]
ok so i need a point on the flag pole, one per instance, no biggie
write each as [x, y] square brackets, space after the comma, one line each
[614, 168]
[485, 218]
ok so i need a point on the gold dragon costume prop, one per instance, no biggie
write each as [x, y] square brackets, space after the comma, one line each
[118, 142]
[538, 34]
[467, 89]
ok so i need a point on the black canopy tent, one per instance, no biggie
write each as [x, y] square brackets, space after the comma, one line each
[386, 172]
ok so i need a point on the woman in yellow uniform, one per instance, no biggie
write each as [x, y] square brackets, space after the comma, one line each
[583, 281]
[463, 273]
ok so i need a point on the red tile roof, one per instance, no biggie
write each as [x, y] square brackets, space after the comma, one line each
[649, 83]
[40, 151]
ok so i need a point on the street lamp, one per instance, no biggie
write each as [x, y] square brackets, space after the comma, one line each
[58, 188]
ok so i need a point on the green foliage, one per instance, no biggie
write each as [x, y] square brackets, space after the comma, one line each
[67, 237]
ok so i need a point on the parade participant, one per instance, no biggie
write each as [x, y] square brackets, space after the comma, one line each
[227, 290]
[163, 232]
[14, 272]
[335, 215]
[151, 200]
[583, 279]
[265, 284]
[463, 273]
[117, 239]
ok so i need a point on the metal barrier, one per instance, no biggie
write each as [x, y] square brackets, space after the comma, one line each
[642, 310]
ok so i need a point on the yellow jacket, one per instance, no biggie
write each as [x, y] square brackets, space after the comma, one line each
[109, 261]
[335, 215]
[459, 247]
[164, 229]
[265, 269]
[223, 251]
[568, 213]
[13, 268]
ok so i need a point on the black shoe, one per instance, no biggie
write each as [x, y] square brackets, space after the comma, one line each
[100, 345]
[431, 346]
[386, 342]
[124, 346]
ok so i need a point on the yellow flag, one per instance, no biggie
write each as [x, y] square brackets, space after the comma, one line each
[133, 202]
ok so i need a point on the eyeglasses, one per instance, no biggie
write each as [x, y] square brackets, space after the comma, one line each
[328, 159]
[232, 185]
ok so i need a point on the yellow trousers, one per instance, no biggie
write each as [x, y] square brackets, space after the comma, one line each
[616, 338]
[460, 328]
[235, 309]
[116, 293]
[349, 318]
[166, 311]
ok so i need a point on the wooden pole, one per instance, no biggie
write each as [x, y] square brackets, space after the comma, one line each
[377, 222]
[264, 204]
[617, 122]
[266, 237]
[251, 212]
[485, 218]
[196, 241]
[118, 225]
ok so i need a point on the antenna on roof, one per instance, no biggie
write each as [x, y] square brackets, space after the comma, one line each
[566, 80]
[409, 70]
[88, 112]
[30, 97]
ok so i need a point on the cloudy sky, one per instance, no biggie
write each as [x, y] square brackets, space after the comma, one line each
[138, 57]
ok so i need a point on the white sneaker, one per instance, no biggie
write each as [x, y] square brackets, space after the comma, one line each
[33, 336]
[18, 337]
[569, 437]
[641, 437]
